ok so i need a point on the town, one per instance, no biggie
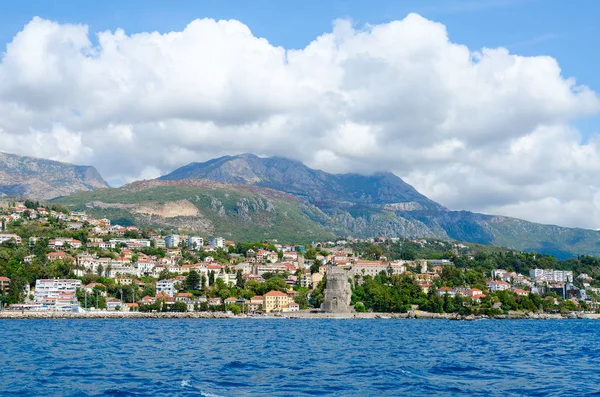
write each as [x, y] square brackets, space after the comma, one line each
[55, 260]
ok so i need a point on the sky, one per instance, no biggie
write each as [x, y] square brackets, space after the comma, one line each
[489, 106]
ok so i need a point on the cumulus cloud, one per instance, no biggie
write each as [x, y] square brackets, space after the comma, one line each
[477, 129]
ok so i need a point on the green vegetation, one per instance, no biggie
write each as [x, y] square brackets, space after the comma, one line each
[400, 293]
[236, 212]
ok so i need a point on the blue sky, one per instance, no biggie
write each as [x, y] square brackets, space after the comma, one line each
[565, 30]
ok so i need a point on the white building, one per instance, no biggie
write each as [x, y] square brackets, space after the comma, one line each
[7, 237]
[173, 241]
[498, 286]
[195, 243]
[551, 275]
[56, 294]
[218, 242]
[145, 267]
[159, 242]
[166, 287]
[131, 243]
[372, 269]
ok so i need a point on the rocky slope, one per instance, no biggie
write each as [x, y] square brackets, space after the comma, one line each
[45, 179]
[208, 207]
[384, 205]
[296, 178]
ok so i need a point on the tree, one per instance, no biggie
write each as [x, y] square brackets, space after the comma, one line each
[235, 309]
[239, 279]
[374, 251]
[316, 297]
[408, 254]
[203, 282]
[192, 280]
[164, 274]
[301, 299]
[314, 268]
[211, 278]
[179, 307]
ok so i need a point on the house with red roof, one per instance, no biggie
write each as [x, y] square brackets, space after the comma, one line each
[276, 301]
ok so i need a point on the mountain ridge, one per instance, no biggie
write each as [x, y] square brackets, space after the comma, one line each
[383, 204]
[249, 197]
[43, 179]
[294, 177]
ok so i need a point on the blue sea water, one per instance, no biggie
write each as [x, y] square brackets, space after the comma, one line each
[267, 357]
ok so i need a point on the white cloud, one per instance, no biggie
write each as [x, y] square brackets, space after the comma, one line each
[478, 129]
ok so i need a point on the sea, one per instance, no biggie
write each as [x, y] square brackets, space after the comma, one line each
[291, 357]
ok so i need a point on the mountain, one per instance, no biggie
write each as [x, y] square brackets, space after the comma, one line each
[45, 179]
[296, 178]
[384, 205]
[207, 207]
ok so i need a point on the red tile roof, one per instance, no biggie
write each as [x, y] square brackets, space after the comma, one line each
[275, 293]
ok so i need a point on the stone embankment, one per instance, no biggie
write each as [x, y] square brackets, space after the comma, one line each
[105, 314]
[416, 314]
[292, 315]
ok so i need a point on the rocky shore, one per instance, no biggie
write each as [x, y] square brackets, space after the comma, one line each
[446, 316]
[104, 314]
[294, 315]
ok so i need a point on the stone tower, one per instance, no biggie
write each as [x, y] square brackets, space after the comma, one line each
[337, 293]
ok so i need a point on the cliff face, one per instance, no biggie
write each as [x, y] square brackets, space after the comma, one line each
[45, 179]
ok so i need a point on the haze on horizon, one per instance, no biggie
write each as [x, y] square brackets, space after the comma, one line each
[482, 129]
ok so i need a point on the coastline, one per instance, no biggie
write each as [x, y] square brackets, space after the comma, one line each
[9, 315]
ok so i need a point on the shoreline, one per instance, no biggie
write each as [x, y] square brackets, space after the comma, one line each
[8, 315]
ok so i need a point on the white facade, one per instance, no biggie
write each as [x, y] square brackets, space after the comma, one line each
[7, 237]
[551, 275]
[131, 243]
[195, 243]
[173, 241]
[218, 242]
[498, 286]
[56, 294]
[159, 242]
[374, 268]
[166, 287]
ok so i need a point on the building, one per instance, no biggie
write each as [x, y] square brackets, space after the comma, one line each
[276, 301]
[218, 242]
[113, 304]
[61, 243]
[56, 294]
[306, 280]
[4, 284]
[551, 275]
[316, 279]
[165, 287]
[158, 242]
[497, 286]
[173, 241]
[8, 237]
[195, 243]
[256, 303]
[446, 291]
[373, 268]
[131, 243]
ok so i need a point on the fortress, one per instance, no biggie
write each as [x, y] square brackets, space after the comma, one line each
[338, 293]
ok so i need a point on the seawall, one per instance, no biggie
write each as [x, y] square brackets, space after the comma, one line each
[292, 315]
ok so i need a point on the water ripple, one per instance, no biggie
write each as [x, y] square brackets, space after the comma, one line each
[304, 357]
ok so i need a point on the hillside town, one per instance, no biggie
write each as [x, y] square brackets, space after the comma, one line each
[56, 260]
